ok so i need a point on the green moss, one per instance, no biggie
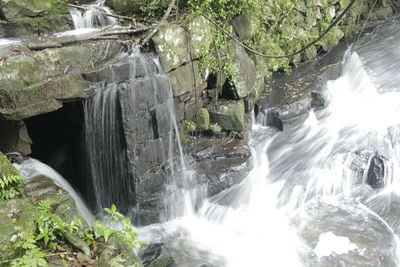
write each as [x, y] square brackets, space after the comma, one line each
[6, 168]
[202, 119]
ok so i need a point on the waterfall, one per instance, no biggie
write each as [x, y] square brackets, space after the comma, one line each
[93, 16]
[31, 168]
[105, 150]
[130, 129]
[325, 193]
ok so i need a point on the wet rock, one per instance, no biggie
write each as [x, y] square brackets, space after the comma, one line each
[387, 206]
[221, 162]
[14, 137]
[155, 255]
[228, 114]
[376, 172]
[38, 82]
[292, 95]
[172, 46]
[371, 241]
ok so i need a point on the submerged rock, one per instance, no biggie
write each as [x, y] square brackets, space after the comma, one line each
[376, 172]
[345, 233]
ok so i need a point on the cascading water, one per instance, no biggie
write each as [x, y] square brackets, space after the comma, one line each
[138, 84]
[325, 193]
[31, 168]
[93, 16]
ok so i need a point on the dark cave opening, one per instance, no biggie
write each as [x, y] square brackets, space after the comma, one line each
[57, 140]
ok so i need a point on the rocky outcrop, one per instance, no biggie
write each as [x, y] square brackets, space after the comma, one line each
[37, 82]
[291, 96]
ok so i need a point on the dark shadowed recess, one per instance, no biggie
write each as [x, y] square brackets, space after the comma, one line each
[57, 141]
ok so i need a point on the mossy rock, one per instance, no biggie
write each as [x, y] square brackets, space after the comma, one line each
[228, 114]
[16, 9]
[16, 217]
[202, 119]
[6, 168]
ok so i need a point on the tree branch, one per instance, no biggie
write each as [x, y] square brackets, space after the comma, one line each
[161, 23]
[334, 23]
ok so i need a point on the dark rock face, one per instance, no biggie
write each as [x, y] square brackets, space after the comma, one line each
[376, 172]
[293, 95]
[221, 163]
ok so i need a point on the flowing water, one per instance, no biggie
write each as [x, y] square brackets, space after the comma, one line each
[31, 168]
[94, 16]
[325, 193]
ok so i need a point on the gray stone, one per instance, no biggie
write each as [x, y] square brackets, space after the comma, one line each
[185, 78]
[200, 31]
[244, 78]
[228, 114]
[14, 137]
[172, 46]
[244, 26]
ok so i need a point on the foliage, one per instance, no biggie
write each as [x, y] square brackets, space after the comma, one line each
[116, 219]
[52, 231]
[10, 187]
[5, 166]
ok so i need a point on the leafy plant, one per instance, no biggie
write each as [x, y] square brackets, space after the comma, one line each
[118, 220]
[10, 187]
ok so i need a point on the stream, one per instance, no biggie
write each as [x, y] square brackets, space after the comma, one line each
[324, 193]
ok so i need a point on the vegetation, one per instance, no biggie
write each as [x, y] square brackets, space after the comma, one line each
[10, 187]
[52, 236]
